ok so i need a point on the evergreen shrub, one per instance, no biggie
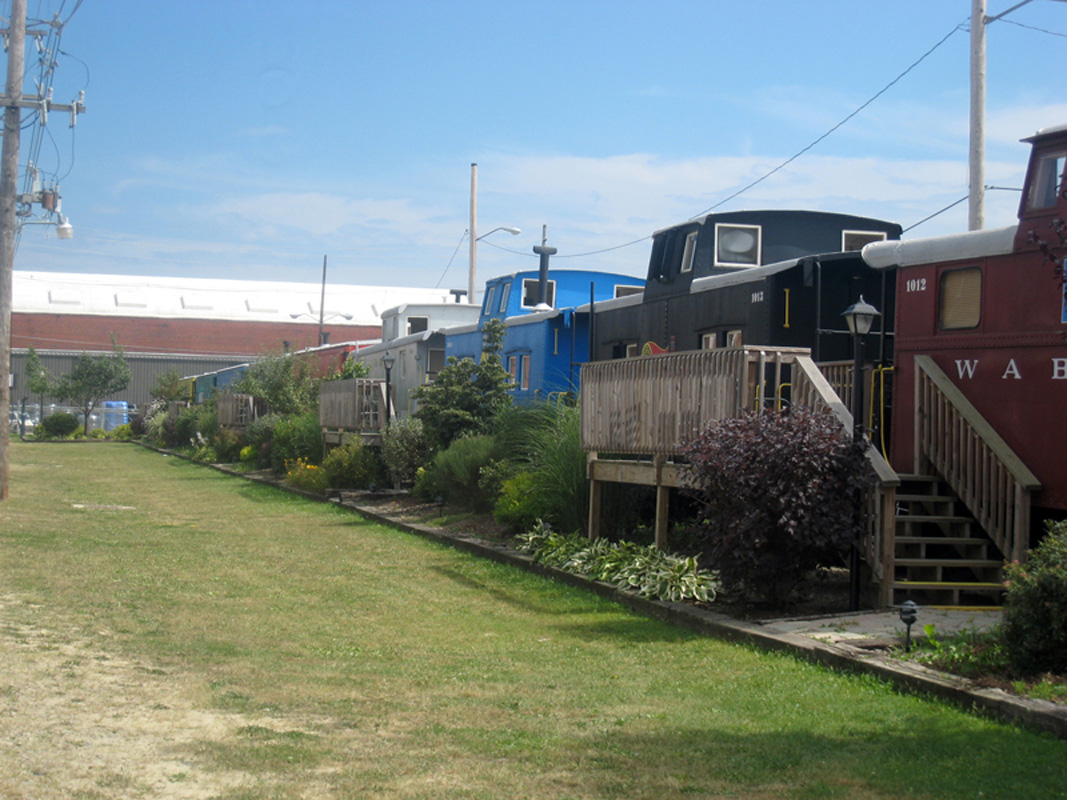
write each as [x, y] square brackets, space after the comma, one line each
[57, 426]
[458, 469]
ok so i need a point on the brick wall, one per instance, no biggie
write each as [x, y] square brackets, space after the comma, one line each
[157, 335]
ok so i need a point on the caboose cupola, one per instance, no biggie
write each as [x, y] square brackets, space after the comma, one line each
[1043, 208]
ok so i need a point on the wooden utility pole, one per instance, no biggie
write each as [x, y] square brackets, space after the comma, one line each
[976, 208]
[9, 175]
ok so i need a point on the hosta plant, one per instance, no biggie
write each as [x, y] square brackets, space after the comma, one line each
[644, 569]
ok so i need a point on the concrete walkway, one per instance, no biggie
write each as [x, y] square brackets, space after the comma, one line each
[882, 626]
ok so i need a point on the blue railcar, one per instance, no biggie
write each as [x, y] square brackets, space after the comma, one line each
[546, 342]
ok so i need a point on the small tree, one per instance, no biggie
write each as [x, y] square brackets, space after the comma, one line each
[286, 382]
[92, 379]
[169, 386]
[37, 379]
[780, 496]
[465, 396]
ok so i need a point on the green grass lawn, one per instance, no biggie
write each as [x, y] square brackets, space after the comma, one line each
[393, 667]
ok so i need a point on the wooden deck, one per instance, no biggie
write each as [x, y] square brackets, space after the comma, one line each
[636, 413]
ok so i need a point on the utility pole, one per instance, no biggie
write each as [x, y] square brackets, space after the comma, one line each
[473, 267]
[976, 194]
[13, 101]
[9, 175]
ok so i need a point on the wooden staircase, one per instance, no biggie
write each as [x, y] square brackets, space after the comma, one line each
[941, 556]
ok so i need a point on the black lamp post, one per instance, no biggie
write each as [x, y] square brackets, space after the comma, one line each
[387, 361]
[909, 612]
[860, 316]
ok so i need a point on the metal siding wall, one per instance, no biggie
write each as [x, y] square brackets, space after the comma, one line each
[144, 372]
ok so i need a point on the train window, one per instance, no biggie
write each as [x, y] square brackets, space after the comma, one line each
[960, 299]
[689, 252]
[632, 350]
[626, 291]
[709, 341]
[488, 309]
[525, 372]
[513, 367]
[504, 295]
[855, 240]
[733, 338]
[1046, 180]
[418, 324]
[737, 245]
[530, 288]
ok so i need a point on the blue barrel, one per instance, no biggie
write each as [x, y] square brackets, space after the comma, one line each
[116, 412]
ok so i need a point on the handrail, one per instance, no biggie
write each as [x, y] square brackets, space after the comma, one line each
[813, 390]
[989, 477]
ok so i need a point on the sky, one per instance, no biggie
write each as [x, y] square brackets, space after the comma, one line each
[247, 139]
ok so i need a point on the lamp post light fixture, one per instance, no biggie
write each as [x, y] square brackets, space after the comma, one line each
[909, 612]
[387, 361]
[859, 316]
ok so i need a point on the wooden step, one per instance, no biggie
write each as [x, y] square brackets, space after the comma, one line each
[972, 563]
[948, 518]
[926, 498]
[956, 541]
[948, 594]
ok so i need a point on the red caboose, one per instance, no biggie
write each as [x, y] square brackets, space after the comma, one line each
[981, 355]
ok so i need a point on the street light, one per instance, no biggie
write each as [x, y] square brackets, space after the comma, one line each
[859, 316]
[474, 256]
[387, 362]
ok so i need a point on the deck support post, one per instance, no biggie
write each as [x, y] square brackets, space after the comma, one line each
[663, 497]
[594, 496]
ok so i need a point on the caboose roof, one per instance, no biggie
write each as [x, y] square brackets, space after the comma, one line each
[953, 247]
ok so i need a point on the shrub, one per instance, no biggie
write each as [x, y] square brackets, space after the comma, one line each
[57, 426]
[780, 495]
[457, 470]
[1035, 607]
[260, 435]
[302, 475]
[248, 454]
[228, 444]
[97, 433]
[352, 466]
[405, 448]
[296, 437]
[516, 505]
[122, 433]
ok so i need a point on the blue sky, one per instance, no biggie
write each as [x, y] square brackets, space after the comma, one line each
[247, 138]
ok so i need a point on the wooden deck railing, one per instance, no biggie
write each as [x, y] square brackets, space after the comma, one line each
[812, 389]
[239, 410]
[974, 460]
[649, 405]
[355, 405]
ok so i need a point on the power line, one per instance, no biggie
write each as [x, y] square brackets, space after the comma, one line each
[801, 152]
